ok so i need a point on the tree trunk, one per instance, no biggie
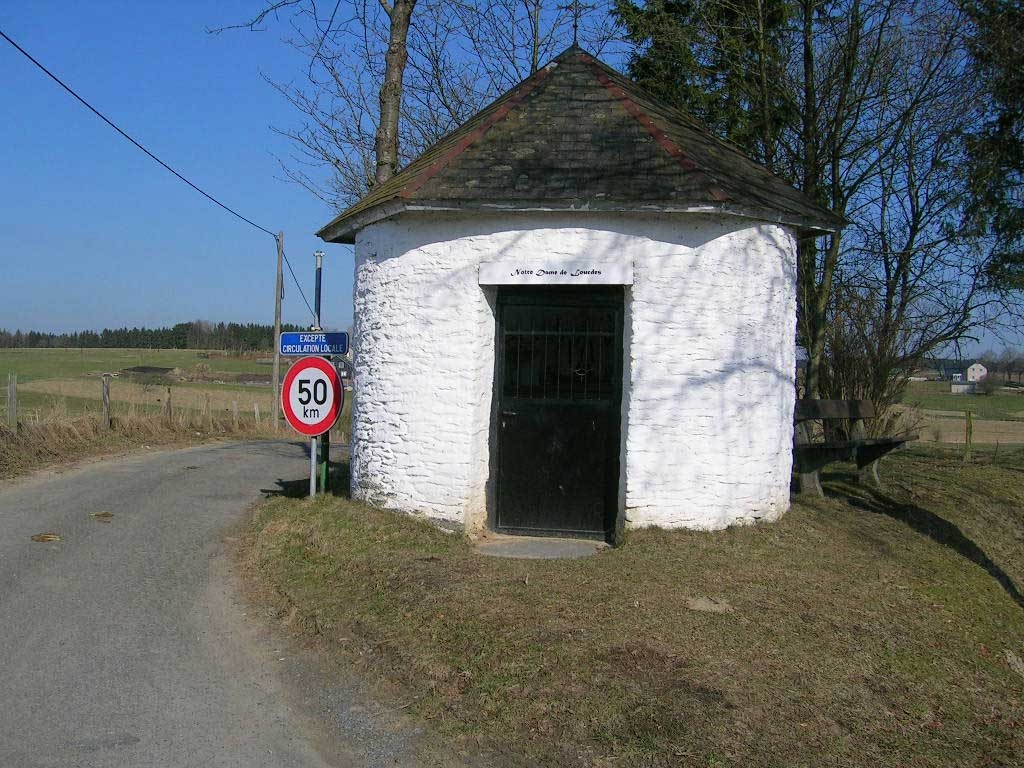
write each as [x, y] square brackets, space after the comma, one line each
[807, 249]
[386, 144]
[534, 12]
[816, 315]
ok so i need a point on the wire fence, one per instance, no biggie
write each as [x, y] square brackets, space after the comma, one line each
[116, 402]
[48, 402]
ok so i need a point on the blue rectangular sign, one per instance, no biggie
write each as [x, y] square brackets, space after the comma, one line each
[314, 343]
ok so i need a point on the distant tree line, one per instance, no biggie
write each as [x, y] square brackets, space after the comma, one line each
[905, 118]
[1009, 363]
[198, 334]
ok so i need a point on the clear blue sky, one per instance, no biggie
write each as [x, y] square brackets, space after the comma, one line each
[92, 232]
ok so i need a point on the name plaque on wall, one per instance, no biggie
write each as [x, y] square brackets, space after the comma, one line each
[556, 273]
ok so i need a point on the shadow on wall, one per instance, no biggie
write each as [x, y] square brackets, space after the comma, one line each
[725, 363]
[702, 360]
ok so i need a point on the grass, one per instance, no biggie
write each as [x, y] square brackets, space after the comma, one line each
[68, 380]
[59, 404]
[33, 364]
[865, 629]
[33, 406]
[935, 396]
[57, 383]
[59, 437]
[190, 395]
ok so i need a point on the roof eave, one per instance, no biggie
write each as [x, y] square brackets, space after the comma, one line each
[344, 228]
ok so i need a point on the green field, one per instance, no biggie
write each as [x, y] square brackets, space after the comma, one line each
[935, 396]
[56, 383]
[32, 364]
[53, 383]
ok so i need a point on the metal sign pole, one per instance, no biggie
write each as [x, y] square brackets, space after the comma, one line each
[325, 439]
[312, 467]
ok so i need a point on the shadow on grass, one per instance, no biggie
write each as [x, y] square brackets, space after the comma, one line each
[338, 484]
[922, 520]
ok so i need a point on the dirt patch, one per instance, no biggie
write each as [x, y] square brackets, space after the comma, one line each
[253, 378]
[708, 605]
[148, 370]
[952, 430]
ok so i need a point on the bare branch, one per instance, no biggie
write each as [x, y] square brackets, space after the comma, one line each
[253, 24]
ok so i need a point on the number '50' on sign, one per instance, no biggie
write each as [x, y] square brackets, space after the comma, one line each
[312, 396]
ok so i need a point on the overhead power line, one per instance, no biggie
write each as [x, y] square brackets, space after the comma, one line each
[296, 281]
[111, 123]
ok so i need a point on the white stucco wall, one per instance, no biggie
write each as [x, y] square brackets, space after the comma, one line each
[709, 346]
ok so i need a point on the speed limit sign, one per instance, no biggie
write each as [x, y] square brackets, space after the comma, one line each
[312, 395]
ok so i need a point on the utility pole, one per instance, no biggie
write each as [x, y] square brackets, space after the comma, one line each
[278, 292]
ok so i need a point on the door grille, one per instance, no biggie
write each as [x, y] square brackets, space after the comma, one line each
[559, 353]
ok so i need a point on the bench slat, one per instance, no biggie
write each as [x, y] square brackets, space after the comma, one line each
[807, 409]
[809, 457]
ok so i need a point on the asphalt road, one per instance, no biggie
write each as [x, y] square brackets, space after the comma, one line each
[126, 643]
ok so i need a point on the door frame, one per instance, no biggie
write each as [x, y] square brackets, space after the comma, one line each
[589, 295]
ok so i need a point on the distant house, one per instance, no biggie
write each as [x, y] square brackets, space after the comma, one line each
[949, 369]
[976, 371]
[963, 379]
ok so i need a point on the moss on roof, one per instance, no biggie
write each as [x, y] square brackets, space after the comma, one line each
[577, 134]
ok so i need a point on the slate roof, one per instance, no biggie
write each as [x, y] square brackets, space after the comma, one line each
[577, 135]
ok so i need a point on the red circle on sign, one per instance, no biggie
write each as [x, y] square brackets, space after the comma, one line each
[309, 407]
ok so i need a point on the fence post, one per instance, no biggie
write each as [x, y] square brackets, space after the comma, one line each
[106, 401]
[12, 401]
[256, 412]
[168, 413]
[234, 413]
[968, 435]
[207, 414]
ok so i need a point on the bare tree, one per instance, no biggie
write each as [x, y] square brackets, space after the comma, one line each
[884, 112]
[380, 31]
[395, 59]
[990, 360]
[908, 282]
[385, 81]
[1012, 362]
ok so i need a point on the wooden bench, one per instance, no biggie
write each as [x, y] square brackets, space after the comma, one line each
[809, 457]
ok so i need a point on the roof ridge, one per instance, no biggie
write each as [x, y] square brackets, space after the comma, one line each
[507, 101]
[692, 123]
[577, 132]
[661, 138]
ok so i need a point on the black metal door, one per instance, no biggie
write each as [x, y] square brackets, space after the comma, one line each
[559, 387]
